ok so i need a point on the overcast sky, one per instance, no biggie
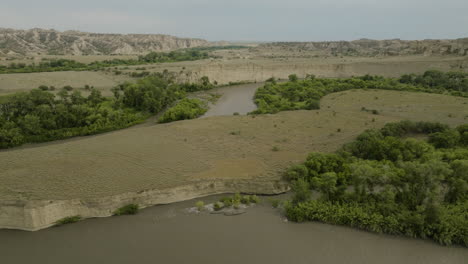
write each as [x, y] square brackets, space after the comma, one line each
[250, 20]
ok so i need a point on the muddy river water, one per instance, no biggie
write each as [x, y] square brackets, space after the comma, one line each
[170, 234]
[236, 98]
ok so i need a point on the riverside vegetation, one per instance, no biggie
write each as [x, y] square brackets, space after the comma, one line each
[305, 94]
[40, 115]
[230, 201]
[387, 182]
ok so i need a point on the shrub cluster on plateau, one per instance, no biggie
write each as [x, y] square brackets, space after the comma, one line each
[305, 94]
[184, 109]
[40, 115]
[385, 183]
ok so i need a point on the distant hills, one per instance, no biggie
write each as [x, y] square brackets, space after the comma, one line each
[52, 42]
[369, 47]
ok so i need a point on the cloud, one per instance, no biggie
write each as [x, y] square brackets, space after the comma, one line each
[247, 19]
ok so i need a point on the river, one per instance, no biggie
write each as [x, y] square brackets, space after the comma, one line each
[237, 98]
[170, 234]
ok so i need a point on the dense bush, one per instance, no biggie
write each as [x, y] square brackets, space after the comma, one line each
[40, 115]
[178, 55]
[305, 94]
[387, 183]
[129, 209]
[184, 109]
[68, 220]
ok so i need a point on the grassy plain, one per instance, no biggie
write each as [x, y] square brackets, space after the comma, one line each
[239, 65]
[223, 147]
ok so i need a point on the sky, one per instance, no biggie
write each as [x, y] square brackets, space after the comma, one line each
[247, 20]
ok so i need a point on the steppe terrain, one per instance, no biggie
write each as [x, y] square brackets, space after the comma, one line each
[92, 176]
[163, 163]
[238, 66]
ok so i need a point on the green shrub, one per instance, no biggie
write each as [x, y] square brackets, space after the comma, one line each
[218, 206]
[68, 220]
[245, 199]
[447, 139]
[200, 205]
[254, 199]
[184, 109]
[275, 203]
[227, 201]
[275, 149]
[129, 209]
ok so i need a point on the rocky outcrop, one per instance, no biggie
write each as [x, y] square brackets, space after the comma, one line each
[369, 47]
[44, 41]
[36, 215]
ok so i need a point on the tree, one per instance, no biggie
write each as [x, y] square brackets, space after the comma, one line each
[447, 139]
[326, 184]
[293, 78]
[301, 191]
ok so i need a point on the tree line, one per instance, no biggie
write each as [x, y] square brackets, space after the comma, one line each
[305, 94]
[388, 183]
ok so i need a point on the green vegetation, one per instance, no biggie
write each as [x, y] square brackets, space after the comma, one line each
[387, 183]
[39, 116]
[236, 200]
[173, 56]
[214, 48]
[218, 206]
[68, 220]
[185, 109]
[305, 94]
[275, 203]
[235, 133]
[200, 205]
[129, 209]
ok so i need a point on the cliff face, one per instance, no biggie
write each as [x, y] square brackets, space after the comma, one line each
[368, 47]
[42, 41]
[39, 214]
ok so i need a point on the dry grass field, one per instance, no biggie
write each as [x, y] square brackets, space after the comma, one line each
[239, 147]
[244, 65]
[19, 82]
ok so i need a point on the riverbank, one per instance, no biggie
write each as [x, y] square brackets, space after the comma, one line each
[40, 214]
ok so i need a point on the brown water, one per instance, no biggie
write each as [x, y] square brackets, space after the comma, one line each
[237, 98]
[168, 234]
